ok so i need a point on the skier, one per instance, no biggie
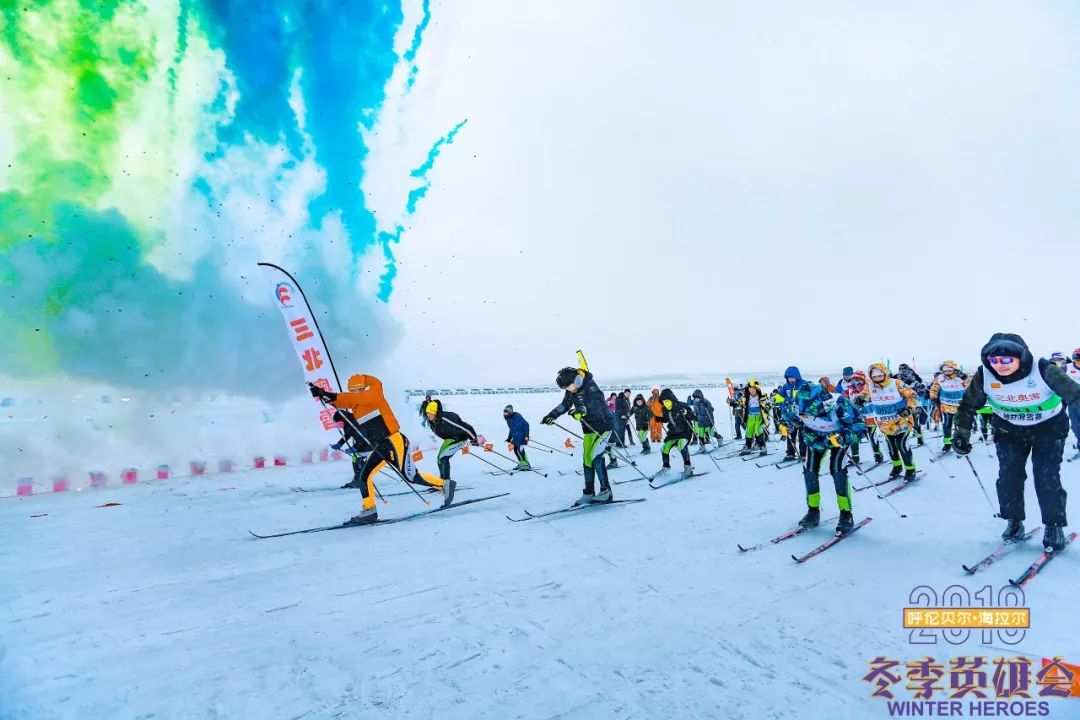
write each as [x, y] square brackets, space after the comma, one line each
[847, 376]
[737, 420]
[356, 447]
[1027, 397]
[703, 411]
[893, 405]
[454, 432]
[983, 414]
[680, 420]
[1072, 370]
[656, 428]
[622, 418]
[517, 435]
[828, 428]
[584, 400]
[922, 409]
[826, 383]
[376, 422]
[423, 410]
[789, 412]
[643, 418]
[947, 390]
[754, 409]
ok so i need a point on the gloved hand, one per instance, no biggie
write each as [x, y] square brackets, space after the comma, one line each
[577, 416]
[350, 450]
[474, 442]
[526, 440]
[338, 444]
[904, 412]
[860, 401]
[318, 392]
[548, 420]
[961, 441]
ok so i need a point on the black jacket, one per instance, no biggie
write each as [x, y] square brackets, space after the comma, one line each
[622, 408]
[590, 399]
[910, 377]
[450, 426]
[348, 420]
[680, 418]
[642, 413]
[975, 397]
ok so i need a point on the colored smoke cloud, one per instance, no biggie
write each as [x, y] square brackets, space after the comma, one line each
[152, 153]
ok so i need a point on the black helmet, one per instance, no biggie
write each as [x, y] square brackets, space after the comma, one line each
[902, 367]
[566, 377]
[508, 410]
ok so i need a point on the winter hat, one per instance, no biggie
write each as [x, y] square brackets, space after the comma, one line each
[848, 371]
[1008, 345]
[698, 394]
[508, 410]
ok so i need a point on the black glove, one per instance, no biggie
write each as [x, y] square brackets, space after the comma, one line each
[548, 420]
[904, 412]
[318, 392]
[860, 401]
[961, 442]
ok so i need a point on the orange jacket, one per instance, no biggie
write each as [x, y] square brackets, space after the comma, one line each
[368, 404]
[656, 407]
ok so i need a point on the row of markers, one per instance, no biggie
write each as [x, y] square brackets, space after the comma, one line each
[130, 476]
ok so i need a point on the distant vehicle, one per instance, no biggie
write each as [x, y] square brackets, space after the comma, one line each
[487, 391]
[462, 391]
[445, 391]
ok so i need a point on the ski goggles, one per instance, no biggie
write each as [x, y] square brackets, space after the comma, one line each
[1076, 356]
[1002, 360]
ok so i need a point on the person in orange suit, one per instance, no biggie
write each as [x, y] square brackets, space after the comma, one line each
[656, 428]
[375, 422]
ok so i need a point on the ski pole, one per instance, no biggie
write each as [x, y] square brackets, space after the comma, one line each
[549, 448]
[488, 448]
[375, 450]
[983, 487]
[632, 463]
[571, 432]
[473, 455]
[886, 500]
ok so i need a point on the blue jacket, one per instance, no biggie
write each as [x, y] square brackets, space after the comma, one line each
[519, 428]
[790, 391]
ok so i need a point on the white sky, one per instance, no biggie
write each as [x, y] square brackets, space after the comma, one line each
[708, 186]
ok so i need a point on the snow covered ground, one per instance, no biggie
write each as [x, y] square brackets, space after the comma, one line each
[165, 607]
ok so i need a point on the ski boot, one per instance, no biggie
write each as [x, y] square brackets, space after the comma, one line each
[920, 440]
[604, 496]
[909, 474]
[1014, 531]
[367, 516]
[746, 450]
[645, 449]
[613, 463]
[946, 448]
[811, 519]
[587, 498]
[1054, 538]
[688, 471]
[788, 458]
[524, 466]
[353, 484]
[448, 488]
[879, 458]
[762, 452]
[846, 523]
[895, 472]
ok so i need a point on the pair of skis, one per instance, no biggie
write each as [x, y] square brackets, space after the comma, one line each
[387, 521]
[831, 542]
[572, 508]
[671, 479]
[1031, 571]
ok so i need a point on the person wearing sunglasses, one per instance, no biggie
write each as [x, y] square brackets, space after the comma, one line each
[893, 405]
[1028, 398]
[947, 390]
[830, 425]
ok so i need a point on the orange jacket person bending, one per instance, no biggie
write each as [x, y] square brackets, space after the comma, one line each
[377, 424]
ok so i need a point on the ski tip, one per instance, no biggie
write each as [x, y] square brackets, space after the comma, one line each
[741, 548]
[968, 570]
[796, 559]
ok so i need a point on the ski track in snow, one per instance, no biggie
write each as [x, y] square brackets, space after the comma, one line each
[165, 607]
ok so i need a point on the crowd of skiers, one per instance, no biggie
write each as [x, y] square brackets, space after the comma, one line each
[1025, 406]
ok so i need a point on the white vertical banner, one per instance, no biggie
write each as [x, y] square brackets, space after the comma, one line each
[304, 336]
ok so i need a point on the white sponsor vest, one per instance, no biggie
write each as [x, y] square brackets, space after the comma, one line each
[824, 425]
[1025, 402]
[951, 391]
[886, 402]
